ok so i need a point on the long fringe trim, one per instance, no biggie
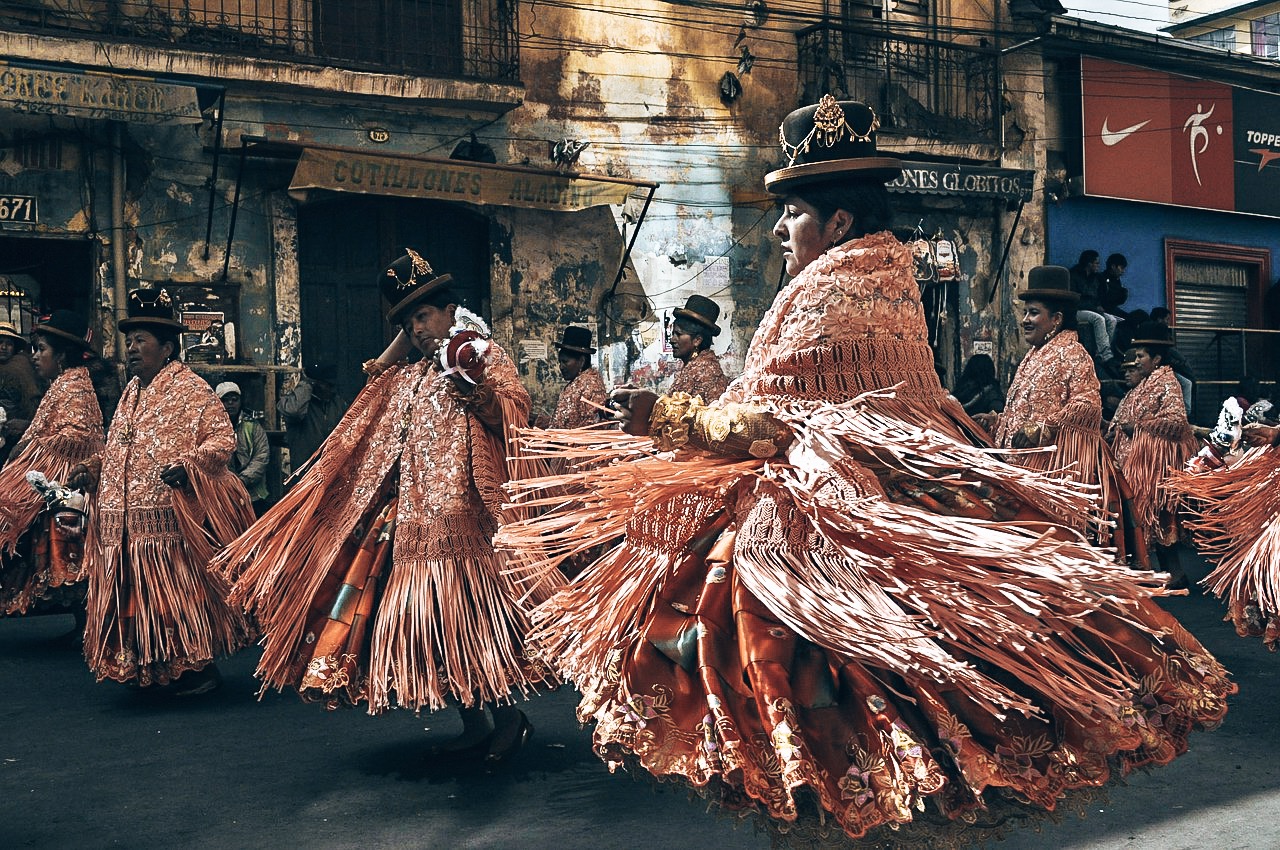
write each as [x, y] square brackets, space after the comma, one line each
[1000, 592]
[21, 504]
[155, 612]
[1081, 455]
[447, 631]
[1150, 461]
[1236, 522]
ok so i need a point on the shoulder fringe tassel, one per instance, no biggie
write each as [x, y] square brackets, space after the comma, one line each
[1236, 522]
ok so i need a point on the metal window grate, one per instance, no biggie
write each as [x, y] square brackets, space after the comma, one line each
[454, 38]
[916, 85]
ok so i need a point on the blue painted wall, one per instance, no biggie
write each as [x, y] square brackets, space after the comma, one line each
[1138, 231]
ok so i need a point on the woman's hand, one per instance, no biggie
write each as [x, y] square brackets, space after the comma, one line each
[633, 408]
[1257, 434]
[987, 421]
[175, 475]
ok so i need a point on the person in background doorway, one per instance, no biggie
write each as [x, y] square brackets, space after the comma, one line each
[311, 409]
[19, 390]
[691, 334]
[583, 397]
[978, 389]
[253, 452]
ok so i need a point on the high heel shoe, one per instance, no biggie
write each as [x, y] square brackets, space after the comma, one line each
[502, 747]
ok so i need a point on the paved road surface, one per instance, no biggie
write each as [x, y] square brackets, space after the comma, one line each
[86, 765]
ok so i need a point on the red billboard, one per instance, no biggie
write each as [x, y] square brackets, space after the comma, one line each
[1168, 139]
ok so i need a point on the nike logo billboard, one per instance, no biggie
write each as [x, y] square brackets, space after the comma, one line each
[1110, 138]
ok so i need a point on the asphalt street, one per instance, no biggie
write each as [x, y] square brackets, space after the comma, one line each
[90, 765]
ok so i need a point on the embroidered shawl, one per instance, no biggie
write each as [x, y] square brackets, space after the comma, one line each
[701, 376]
[573, 409]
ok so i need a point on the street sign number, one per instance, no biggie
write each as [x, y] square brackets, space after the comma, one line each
[19, 208]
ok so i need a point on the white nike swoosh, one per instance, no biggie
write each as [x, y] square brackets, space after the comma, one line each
[1110, 137]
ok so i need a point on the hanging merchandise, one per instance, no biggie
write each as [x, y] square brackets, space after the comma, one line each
[922, 251]
[944, 255]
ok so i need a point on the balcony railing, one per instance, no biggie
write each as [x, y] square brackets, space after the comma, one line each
[917, 86]
[472, 39]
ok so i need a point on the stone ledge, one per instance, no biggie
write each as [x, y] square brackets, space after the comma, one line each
[321, 81]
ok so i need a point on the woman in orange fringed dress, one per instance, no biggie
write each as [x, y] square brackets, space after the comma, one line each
[1234, 513]
[375, 580]
[164, 501]
[1151, 438]
[831, 608]
[43, 560]
[1054, 404]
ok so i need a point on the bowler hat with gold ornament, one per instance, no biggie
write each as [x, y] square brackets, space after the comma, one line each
[702, 310]
[68, 326]
[829, 141]
[576, 339]
[1050, 284]
[408, 281]
[1130, 359]
[9, 332]
[151, 307]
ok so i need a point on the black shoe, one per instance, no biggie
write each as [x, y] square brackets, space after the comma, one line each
[195, 682]
[474, 751]
[506, 744]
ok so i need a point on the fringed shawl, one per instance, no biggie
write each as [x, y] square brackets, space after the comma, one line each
[1161, 442]
[1056, 389]
[1236, 522]
[701, 376]
[66, 430]
[580, 401]
[449, 625]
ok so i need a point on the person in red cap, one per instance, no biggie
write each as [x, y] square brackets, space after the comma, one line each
[829, 607]
[375, 580]
[42, 527]
[163, 502]
[692, 330]
[583, 397]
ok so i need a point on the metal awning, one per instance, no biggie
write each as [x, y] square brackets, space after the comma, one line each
[336, 169]
[323, 169]
[49, 90]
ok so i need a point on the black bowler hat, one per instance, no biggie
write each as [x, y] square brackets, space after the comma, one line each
[1152, 335]
[577, 340]
[151, 307]
[702, 310]
[67, 326]
[1049, 283]
[827, 141]
[324, 371]
[407, 281]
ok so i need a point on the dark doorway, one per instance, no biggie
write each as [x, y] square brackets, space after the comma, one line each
[40, 274]
[344, 242]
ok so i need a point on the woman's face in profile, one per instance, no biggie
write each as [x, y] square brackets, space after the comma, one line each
[802, 234]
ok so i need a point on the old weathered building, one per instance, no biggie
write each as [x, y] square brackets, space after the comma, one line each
[569, 162]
